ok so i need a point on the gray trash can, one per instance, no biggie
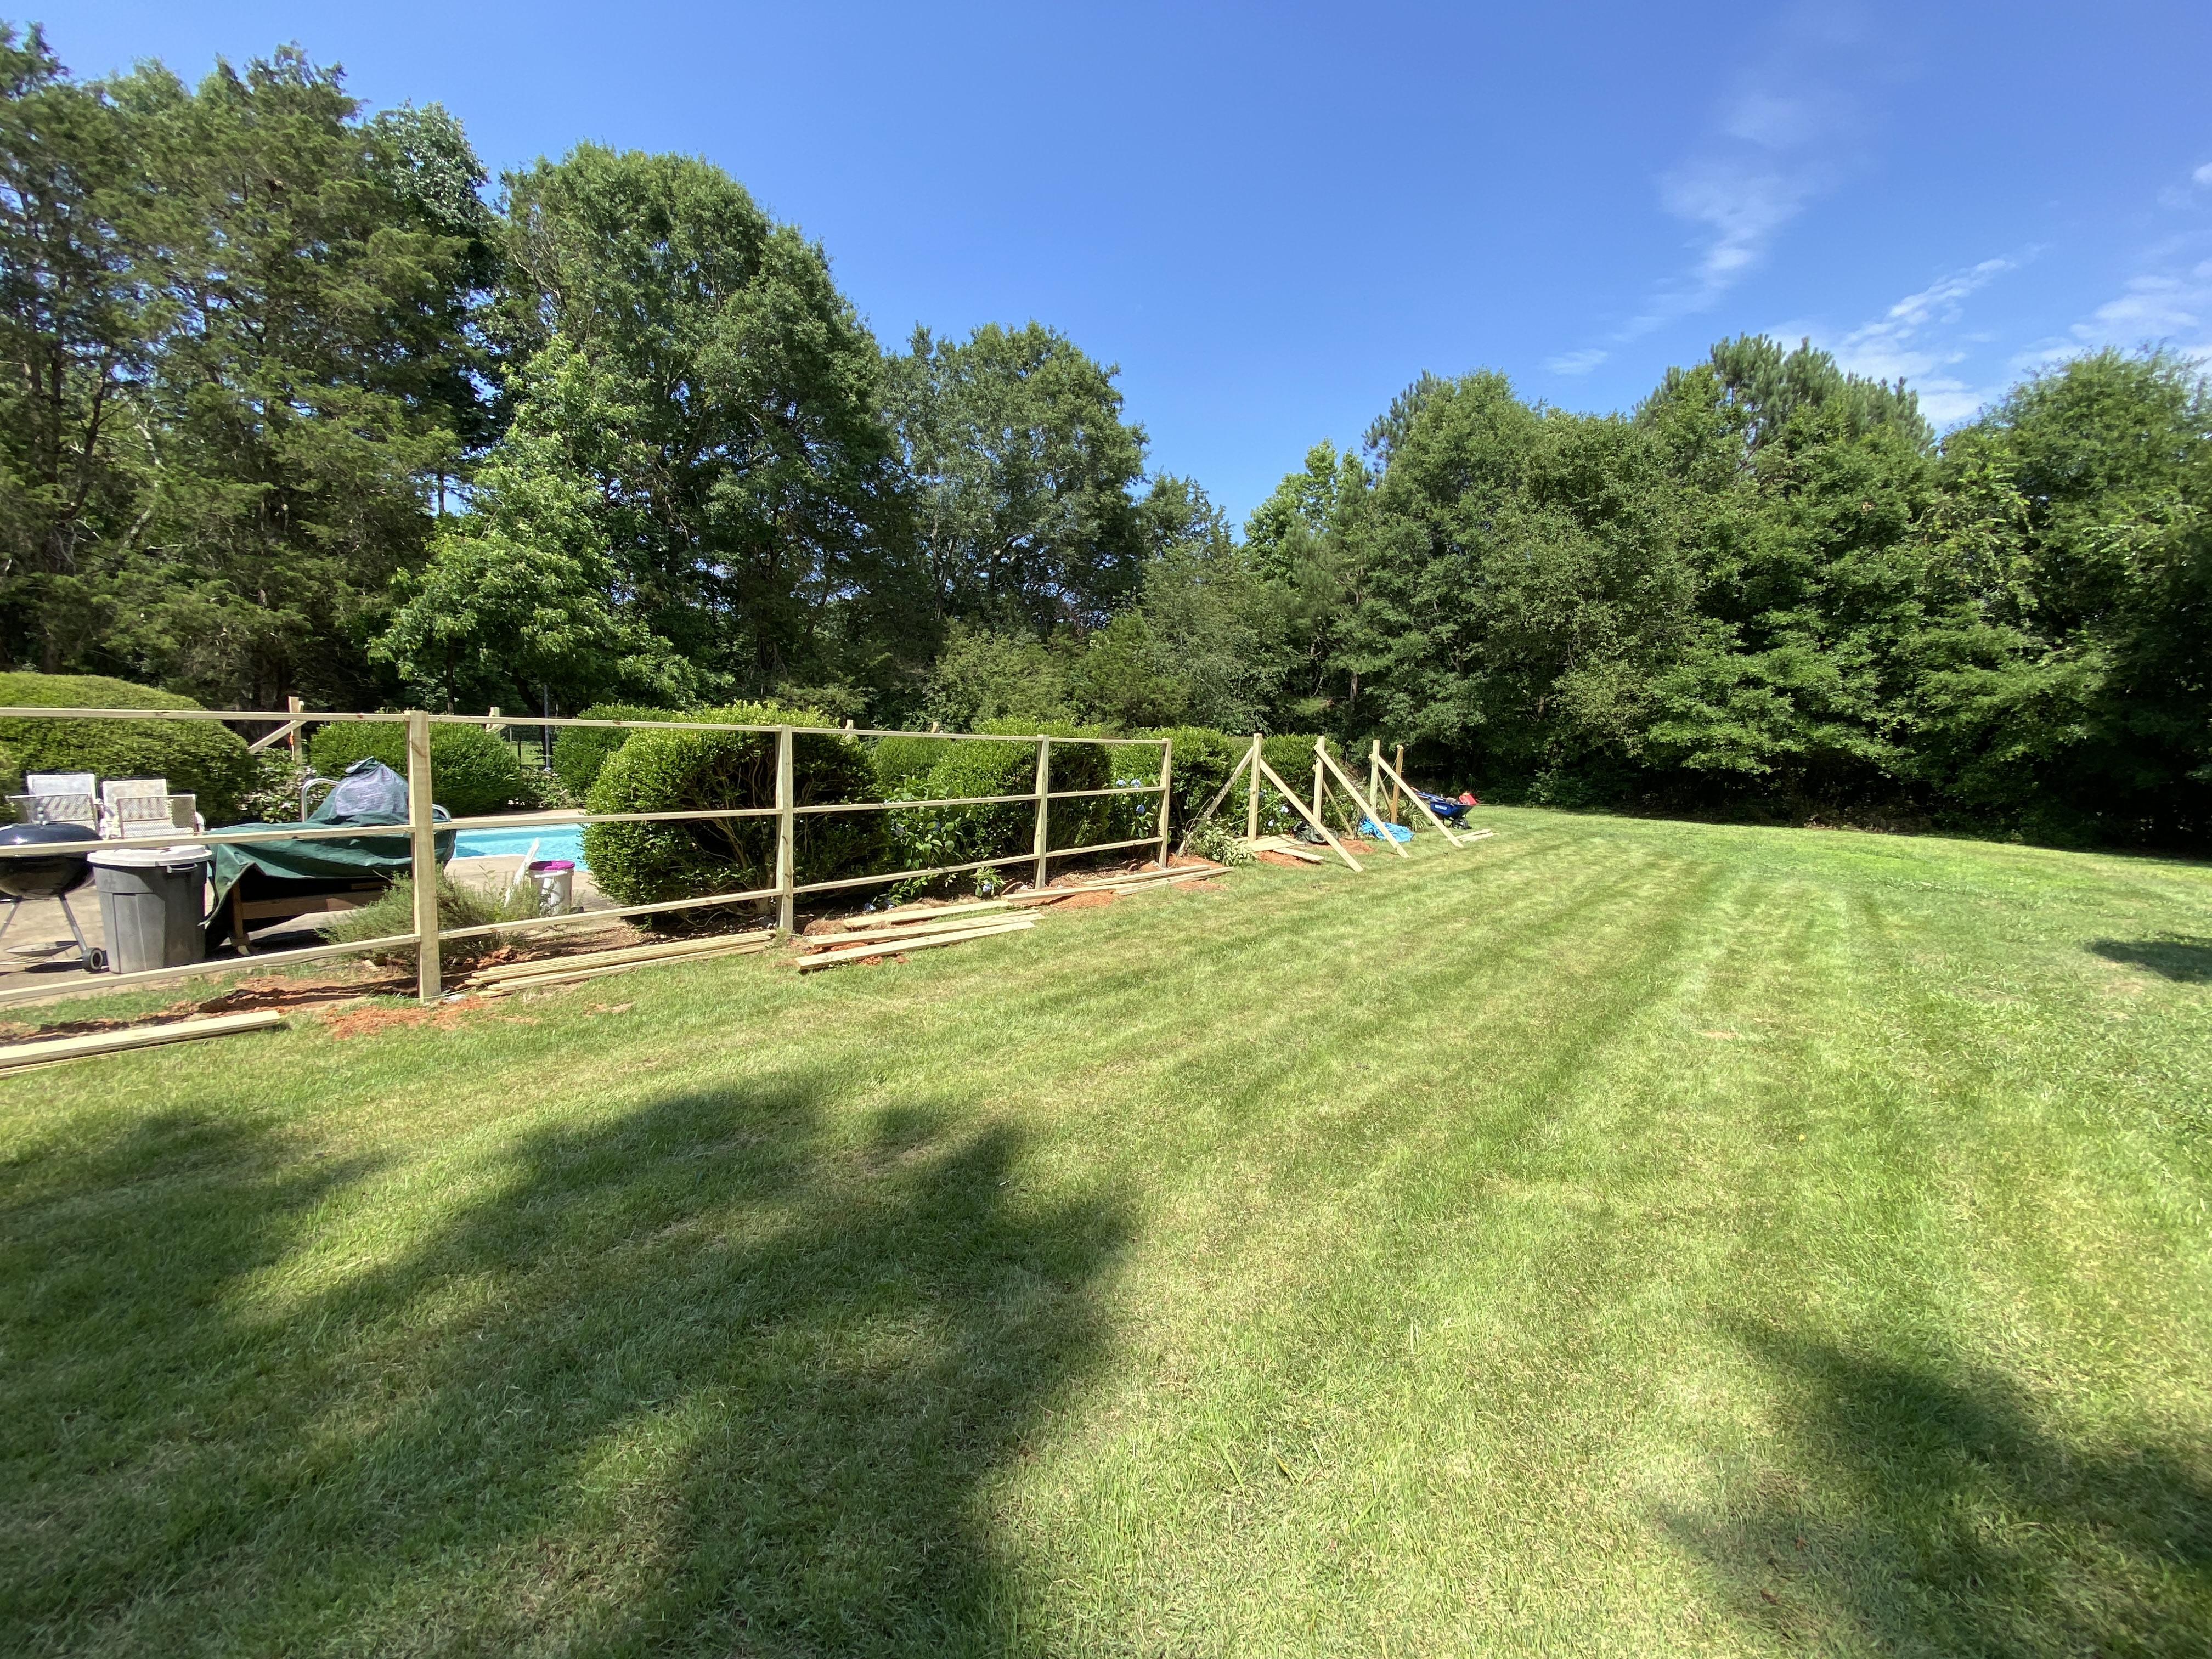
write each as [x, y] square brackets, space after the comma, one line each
[150, 904]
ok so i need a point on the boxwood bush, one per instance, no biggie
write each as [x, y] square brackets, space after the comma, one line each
[922, 770]
[472, 772]
[579, 752]
[204, 758]
[681, 769]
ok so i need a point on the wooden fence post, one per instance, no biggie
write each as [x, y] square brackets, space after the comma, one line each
[292, 706]
[423, 828]
[1317, 785]
[1252, 798]
[1167, 760]
[786, 875]
[1042, 845]
[1397, 772]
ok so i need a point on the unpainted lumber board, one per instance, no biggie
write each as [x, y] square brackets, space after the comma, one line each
[1365, 806]
[917, 930]
[17, 1056]
[899, 946]
[675, 949]
[1327, 834]
[1398, 782]
[545, 981]
[905, 914]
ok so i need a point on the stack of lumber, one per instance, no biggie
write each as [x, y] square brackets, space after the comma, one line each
[597, 964]
[1289, 846]
[1134, 881]
[51, 1051]
[909, 927]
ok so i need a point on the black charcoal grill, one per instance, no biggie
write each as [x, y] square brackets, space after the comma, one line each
[55, 868]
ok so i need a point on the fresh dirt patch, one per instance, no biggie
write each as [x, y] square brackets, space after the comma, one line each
[1083, 901]
[385, 1016]
[1282, 860]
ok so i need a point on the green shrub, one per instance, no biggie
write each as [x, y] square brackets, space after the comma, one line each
[902, 762]
[204, 758]
[579, 752]
[925, 836]
[472, 772]
[1217, 839]
[680, 770]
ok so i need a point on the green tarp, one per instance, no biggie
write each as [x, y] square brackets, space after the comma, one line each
[337, 858]
[370, 795]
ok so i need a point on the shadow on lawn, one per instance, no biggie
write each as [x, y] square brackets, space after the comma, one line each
[1921, 1509]
[706, 1378]
[2175, 957]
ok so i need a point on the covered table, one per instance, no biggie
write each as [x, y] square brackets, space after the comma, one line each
[279, 880]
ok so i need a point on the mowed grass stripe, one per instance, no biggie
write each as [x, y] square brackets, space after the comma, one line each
[1425, 1261]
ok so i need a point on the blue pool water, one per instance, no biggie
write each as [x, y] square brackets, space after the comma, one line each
[562, 842]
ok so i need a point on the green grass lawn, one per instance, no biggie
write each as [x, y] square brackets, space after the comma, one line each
[1616, 1237]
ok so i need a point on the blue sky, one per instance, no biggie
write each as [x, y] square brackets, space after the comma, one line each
[1274, 217]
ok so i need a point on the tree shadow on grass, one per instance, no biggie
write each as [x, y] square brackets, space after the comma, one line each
[2175, 956]
[711, 1377]
[1919, 1507]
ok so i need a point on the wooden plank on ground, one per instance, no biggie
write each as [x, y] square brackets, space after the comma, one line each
[45, 1051]
[908, 915]
[911, 930]
[673, 951]
[900, 946]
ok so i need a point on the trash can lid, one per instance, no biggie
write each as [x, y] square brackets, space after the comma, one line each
[146, 858]
[537, 865]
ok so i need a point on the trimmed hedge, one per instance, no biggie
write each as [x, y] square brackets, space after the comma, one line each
[924, 769]
[684, 770]
[204, 758]
[472, 772]
[579, 752]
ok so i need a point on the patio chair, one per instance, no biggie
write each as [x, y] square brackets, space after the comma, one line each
[143, 806]
[57, 798]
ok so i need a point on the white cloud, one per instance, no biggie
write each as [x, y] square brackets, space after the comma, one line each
[1743, 206]
[2169, 302]
[2160, 308]
[1910, 342]
[1782, 138]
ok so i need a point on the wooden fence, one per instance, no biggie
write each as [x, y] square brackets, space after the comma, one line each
[423, 831]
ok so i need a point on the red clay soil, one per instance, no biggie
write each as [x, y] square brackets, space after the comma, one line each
[385, 1016]
[1083, 901]
[1283, 859]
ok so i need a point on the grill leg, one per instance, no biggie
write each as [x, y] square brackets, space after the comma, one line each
[85, 953]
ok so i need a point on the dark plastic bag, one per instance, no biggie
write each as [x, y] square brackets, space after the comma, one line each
[370, 790]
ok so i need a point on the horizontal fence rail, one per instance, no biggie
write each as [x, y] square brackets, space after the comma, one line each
[423, 828]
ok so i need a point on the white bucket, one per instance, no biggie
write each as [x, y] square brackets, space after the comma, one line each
[556, 882]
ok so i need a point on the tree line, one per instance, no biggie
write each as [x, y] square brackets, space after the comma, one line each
[295, 403]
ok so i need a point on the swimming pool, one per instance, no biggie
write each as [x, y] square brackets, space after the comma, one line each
[558, 842]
